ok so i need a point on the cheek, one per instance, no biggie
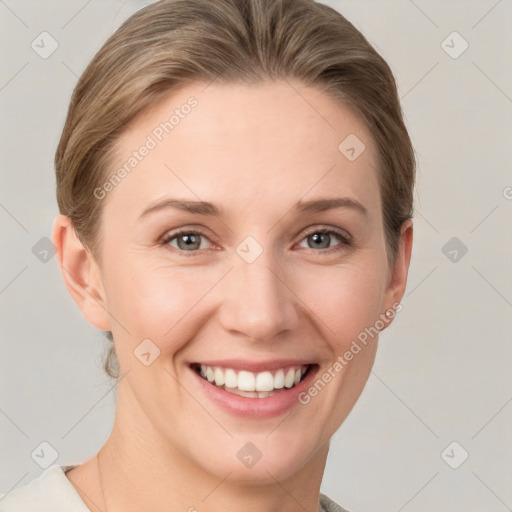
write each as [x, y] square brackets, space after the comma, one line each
[155, 302]
[344, 299]
[169, 304]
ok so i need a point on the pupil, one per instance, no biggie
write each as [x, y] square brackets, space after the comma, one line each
[317, 238]
[188, 240]
[320, 240]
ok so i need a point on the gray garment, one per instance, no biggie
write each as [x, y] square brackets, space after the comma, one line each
[327, 505]
[52, 491]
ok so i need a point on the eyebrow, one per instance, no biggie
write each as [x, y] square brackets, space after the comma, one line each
[207, 208]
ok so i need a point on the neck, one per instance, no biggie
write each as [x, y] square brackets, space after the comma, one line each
[138, 469]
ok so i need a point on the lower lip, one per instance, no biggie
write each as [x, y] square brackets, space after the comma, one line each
[245, 407]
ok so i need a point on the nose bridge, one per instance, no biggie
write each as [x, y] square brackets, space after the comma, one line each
[256, 301]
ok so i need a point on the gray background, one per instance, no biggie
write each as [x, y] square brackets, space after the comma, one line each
[442, 372]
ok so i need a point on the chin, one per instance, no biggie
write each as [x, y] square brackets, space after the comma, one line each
[263, 472]
[256, 460]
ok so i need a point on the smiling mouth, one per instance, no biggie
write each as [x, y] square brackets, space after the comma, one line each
[252, 384]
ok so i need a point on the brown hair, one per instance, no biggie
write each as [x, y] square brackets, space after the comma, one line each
[174, 42]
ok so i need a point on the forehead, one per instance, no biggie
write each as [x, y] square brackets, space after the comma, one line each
[248, 145]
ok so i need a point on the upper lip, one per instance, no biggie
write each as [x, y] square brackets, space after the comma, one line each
[255, 366]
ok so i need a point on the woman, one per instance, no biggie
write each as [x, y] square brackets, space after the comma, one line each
[235, 184]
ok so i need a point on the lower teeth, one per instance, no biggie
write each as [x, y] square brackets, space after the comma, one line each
[249, 394]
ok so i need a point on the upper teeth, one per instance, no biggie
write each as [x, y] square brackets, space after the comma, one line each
[249, 381]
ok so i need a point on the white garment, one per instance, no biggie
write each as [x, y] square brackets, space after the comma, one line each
[49, 492]
[53, 492]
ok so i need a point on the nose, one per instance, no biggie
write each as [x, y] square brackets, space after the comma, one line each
[257, 300]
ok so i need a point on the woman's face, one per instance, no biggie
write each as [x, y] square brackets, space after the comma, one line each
[219, 249]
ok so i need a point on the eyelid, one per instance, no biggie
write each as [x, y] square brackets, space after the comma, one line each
[328, 229]
[346, 240]
[172, 234]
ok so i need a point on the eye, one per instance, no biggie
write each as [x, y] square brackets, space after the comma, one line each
[322, 238]
[186, 241]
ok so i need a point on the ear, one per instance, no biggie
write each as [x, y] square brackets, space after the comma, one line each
[398, 273]
[81, 273]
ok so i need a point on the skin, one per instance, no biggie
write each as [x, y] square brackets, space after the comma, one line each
[254, 151]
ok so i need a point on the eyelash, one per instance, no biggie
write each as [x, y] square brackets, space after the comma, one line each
[346, 240]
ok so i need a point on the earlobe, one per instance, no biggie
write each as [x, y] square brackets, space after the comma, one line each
[80, 272]
[398, 277]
